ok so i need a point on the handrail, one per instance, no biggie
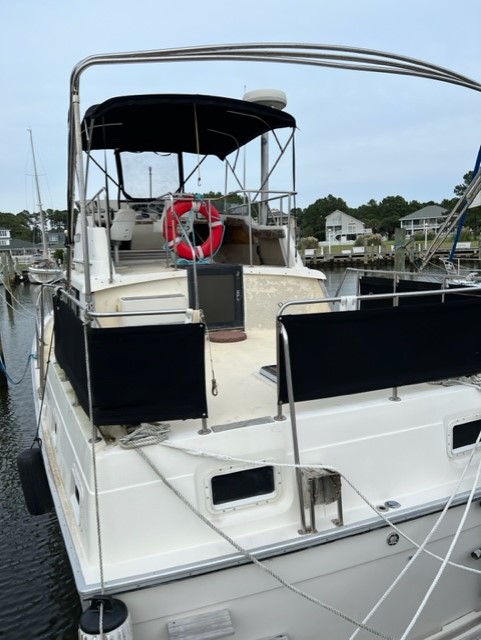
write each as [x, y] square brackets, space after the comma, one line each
[295, 441]
[378, 296]
[114, 314]
[415, 276]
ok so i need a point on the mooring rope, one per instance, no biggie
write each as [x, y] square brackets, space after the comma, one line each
[27, 314]
[134, 441]
[473, 381]
[330, 469]
[421, 548]
[3, 369]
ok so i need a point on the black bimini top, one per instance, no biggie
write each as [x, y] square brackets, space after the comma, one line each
[176, 123]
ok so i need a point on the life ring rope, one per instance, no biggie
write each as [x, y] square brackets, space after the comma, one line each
[179, 243]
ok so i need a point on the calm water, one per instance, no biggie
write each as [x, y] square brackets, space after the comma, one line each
[37, 593]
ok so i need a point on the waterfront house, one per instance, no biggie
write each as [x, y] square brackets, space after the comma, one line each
[427, 219]
[344, 227]
[5, 237]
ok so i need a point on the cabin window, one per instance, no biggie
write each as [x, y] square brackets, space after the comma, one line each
[463, 434]
[242, 487]
[466, 434]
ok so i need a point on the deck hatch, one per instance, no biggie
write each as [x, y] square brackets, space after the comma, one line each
[246, 484]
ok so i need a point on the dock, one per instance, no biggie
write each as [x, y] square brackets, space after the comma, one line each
[374, 256]
[12, 269]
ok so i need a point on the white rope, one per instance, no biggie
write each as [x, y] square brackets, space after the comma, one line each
[440, 572]
[136, 443]
[27, 314]
[421, 548]
[322, 467]
[473, 381]
[146, 434]
[213, 385]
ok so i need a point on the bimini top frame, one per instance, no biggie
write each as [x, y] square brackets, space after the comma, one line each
[322, 55]
[205, 125]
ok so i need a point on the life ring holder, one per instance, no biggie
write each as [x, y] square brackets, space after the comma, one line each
[178, 243]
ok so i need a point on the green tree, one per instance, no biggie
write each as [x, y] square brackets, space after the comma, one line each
[312, 220]
[368, 213]
[19, 225]
[234, 198]
[56, 219]
[461, 188]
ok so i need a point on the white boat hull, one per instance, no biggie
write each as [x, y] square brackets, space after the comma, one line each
[348, 575]
[347, 568]
[230, 451]
[44, 275]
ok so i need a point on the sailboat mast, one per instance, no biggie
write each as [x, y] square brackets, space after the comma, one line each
[42, 215]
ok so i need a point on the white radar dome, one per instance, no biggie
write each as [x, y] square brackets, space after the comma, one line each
[267, 97]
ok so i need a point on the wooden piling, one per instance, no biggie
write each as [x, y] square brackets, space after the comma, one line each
[399, 250]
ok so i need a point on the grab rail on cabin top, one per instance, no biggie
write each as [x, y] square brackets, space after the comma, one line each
[89, 313]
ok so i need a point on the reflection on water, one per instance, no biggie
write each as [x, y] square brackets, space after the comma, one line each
[37, 594]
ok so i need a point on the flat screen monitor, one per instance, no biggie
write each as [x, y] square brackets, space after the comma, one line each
[219, 291]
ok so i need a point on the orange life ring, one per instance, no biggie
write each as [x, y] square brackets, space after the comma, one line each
[183, 248]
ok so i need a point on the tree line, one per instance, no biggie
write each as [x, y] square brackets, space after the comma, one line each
[382, 217]
[26, 225]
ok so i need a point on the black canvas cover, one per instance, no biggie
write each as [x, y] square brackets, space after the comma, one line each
[372, 285]
[177, 123]
[70, 348]
[339, 353]
[137, 374]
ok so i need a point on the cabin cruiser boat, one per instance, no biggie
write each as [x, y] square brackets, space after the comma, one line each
[230, 452]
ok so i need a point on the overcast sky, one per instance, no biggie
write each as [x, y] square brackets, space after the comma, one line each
[361, 136]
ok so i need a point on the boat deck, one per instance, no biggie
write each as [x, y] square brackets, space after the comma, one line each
[243, 392]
